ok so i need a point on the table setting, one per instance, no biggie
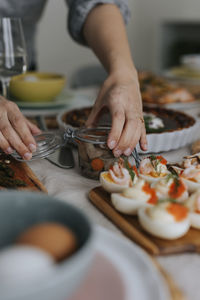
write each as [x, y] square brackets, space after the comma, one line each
[61, 217]
[71, 187]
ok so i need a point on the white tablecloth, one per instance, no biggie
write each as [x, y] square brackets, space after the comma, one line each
[71, 187]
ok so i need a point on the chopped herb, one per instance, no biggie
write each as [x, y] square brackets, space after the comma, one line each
[172, 200]
[155, 162]
[171, 176]
[173, 171]
[131, 172]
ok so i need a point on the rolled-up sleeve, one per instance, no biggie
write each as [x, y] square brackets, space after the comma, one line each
[79, 10]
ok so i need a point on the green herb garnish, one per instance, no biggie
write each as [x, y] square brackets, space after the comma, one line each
[131, 172]
[155, 162]
[172, 200]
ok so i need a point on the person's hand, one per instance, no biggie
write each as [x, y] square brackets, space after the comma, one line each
[121, 95]
[16, 132]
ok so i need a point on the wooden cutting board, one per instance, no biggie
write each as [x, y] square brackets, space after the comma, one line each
[22, 172]
[131, 228]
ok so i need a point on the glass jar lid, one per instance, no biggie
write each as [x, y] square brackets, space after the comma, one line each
[97, 135]
[47, 143]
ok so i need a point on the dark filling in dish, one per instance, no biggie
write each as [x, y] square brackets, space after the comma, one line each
[173, 120]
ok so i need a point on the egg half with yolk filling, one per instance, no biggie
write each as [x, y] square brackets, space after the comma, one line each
[166, 220]
[191, 177]
[153, 168]
[131, 199]
[117, 179]
[171, 187]
[193, 205]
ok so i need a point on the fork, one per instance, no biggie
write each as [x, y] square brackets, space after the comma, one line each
[136, 158]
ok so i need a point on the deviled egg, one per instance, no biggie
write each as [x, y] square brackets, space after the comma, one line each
[118, 177]
[191, 177]
[165, 220]
[171, 186]
[153, 168]
[132, 198]
[193, 204]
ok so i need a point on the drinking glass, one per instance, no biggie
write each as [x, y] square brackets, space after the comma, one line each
[13, 58]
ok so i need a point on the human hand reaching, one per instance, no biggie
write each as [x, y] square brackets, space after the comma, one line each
[121, 95]
[16, 132]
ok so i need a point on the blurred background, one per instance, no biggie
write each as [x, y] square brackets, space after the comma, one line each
[159, 32]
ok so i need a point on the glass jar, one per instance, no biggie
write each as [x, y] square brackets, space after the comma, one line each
[94, 155]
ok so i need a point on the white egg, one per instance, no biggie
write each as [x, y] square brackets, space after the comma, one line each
[195, 219]
[131, 199]
[23, 266]
[126, 205]
[160, 223]
[151, 179]
[192, 186]
[109, 185]
[193, 204]
[163, 188]
[152, 170]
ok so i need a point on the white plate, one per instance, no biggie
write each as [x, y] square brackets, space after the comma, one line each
[140, 278]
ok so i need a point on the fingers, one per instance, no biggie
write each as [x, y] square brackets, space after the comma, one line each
[14, 141]
[143, 139]
[22, 132]
[15, 132]
[118, 120]
[125, 133]
[92, 117]
[129, 137]
[5, 146]
[32, 127]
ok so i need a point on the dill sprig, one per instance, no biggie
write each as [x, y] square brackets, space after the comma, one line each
[172, 200]
[131, 172]
[155, 162]
[176, 180]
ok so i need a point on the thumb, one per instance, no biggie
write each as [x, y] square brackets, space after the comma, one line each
[92, 119]
[33, 128]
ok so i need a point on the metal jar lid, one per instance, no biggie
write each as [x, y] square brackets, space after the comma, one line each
[96, 136]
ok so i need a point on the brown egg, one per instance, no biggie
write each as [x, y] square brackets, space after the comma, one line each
[54, 238]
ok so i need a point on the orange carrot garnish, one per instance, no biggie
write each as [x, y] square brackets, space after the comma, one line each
[97, 164]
